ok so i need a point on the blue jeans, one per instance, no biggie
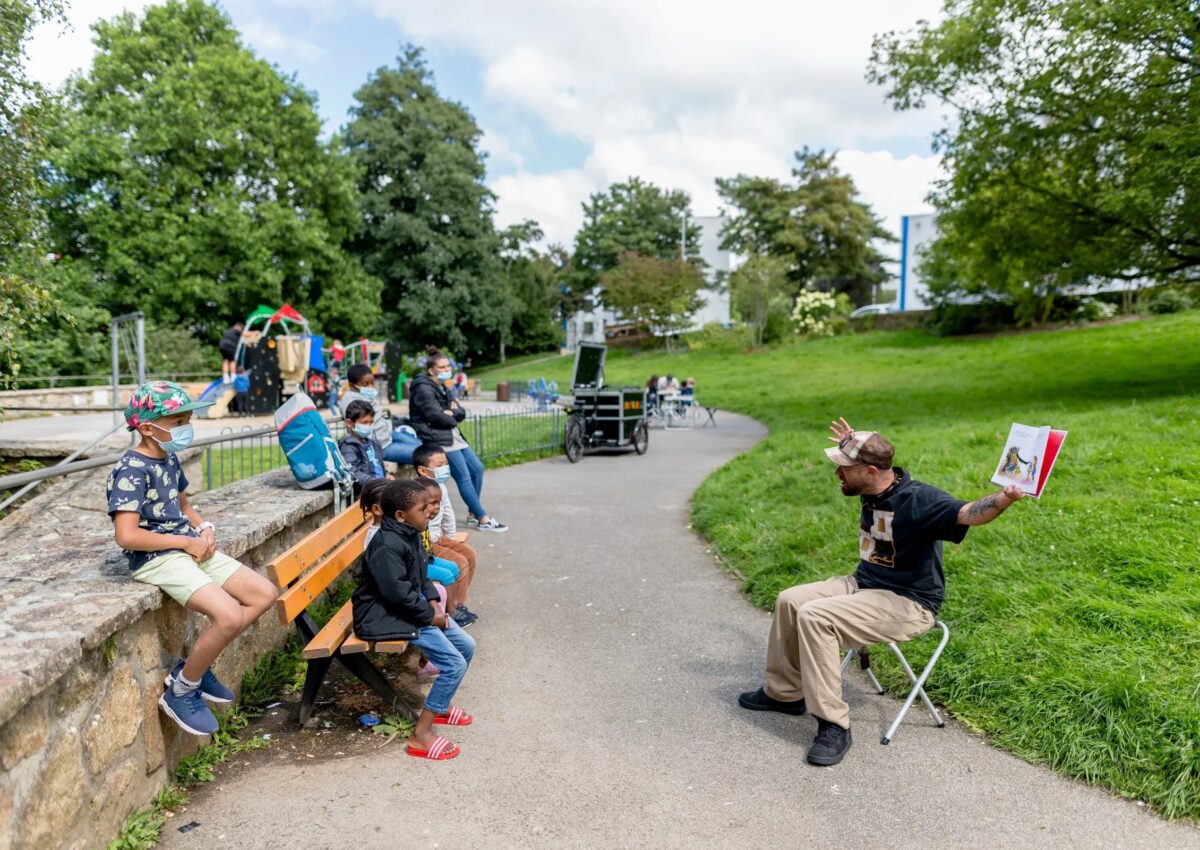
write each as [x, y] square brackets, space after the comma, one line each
[467, 471]
[400, 449]
[451, 651]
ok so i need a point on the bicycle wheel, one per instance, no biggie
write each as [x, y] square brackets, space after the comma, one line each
[641, 437]
[573, 438]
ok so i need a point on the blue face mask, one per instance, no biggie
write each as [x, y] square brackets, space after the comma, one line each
[363, 431]
[441, 474]
[444, 376]
[181, 437]
[369, 393]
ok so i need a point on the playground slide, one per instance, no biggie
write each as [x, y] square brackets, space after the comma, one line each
[221, 394]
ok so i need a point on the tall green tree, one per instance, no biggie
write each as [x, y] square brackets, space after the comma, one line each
[659, 295]
[817, 224]
[1073, 148]
[533, 279]
[631, 216]
[190, 176]
[759, 289]
[427, 229]
[26, 298]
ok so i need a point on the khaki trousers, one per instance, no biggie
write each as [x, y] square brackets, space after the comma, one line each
[814, 622]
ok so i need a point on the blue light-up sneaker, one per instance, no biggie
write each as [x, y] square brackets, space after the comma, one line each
[210, 686]
[189, 711]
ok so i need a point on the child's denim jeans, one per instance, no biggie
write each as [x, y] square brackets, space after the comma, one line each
[450, 650]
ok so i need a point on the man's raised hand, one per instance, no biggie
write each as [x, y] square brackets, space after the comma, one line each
[841, 429]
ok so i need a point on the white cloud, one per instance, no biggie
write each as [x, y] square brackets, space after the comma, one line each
[276, 44]
[680, 92]
[55, 51]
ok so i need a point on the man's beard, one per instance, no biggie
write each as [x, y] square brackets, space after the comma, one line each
[849, 489]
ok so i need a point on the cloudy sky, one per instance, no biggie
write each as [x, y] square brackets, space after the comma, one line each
[576, 94]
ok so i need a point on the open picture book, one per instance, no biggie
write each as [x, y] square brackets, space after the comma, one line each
[1027, 458]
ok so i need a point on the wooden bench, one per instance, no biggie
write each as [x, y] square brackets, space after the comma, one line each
[302, 574]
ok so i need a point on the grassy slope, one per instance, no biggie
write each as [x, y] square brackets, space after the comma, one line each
[1076, 620]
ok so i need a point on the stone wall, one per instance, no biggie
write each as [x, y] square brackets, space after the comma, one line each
[65, 399]
[83, 653]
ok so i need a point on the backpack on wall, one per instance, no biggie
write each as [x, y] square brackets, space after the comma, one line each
[311, 451]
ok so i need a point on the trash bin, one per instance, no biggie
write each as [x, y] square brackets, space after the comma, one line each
[502, 391]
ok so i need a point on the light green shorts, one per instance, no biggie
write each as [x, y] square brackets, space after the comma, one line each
[179, 576]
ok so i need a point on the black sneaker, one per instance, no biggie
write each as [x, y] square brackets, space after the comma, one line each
[463, 617]
[759, 701]
[831, 744]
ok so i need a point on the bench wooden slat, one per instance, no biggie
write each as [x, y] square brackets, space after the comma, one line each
[354, 644]
[295, 599]
[291, 564]
[389, 646]
[325, 643]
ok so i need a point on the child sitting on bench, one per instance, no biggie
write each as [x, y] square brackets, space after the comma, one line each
[431, 463]
[397, 601]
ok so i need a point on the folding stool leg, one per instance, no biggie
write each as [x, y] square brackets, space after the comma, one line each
[918, 684]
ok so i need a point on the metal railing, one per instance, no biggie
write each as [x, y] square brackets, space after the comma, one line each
[104, 380]
[224, 459]
[496, 433]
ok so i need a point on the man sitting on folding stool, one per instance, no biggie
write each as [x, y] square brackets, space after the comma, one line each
[892, 596]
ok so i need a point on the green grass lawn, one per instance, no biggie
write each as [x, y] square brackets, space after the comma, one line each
[1075, 620]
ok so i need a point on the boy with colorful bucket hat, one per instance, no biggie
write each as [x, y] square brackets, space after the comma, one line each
[169, 545]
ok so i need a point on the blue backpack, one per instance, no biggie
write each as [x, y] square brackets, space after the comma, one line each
[311, 451]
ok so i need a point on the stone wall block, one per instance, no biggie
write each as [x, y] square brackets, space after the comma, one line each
[149, 647]
[152, 730]
[6, 818]
[24, 735]
[79, 688]
[56, 796]
[115, 723]
[114, 800]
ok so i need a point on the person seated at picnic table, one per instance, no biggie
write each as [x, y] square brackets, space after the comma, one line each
[689, 388]
[652, 392]
[396, 601]
[894, 595]
[435, 416]
[359, 448]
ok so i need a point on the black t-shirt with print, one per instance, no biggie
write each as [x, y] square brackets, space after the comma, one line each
[900, 540]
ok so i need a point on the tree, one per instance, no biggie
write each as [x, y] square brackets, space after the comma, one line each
[1074, 145]
[757, 289]
[658, 295]
[26, 301]
[427, 229]
[532, 288]
[633, 216]
[816, 225]
[191, 178]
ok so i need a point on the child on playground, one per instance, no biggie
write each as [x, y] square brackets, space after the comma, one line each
[241, 389]
[397, 601]
[431, 463]
[359, 448]
[169, 545]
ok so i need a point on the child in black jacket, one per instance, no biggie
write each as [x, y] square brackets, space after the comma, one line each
[397, 601]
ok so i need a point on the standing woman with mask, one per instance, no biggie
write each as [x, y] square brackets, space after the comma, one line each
[434, 415]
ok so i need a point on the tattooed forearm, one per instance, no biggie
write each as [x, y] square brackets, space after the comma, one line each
[983, 510]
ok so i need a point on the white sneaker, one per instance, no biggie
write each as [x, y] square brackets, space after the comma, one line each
[493, 525]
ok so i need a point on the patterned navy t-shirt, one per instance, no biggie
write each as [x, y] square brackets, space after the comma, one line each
[150, 488]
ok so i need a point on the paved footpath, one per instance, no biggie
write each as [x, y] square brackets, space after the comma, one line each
[611, 651]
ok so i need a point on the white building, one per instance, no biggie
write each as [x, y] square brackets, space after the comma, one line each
[589, 325]
[916, 232]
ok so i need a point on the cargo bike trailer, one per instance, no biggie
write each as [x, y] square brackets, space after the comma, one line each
[600, 416]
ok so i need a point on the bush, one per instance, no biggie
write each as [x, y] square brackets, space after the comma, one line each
[958, 319]
[1170, 301]
[812, 312]
[714, 337]
[1093, 310]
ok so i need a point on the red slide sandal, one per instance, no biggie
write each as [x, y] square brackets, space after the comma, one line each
[455, 717]
[442, 750]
